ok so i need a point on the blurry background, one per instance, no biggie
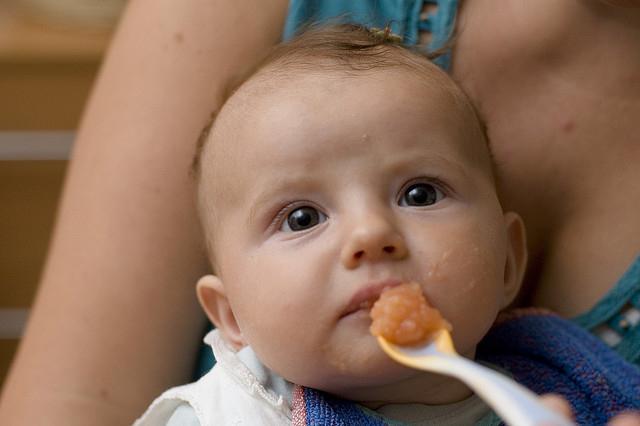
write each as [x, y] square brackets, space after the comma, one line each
[50, 51]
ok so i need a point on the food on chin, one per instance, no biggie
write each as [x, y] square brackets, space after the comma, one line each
[402, 316]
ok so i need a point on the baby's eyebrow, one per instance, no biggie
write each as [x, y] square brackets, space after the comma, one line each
[435, 161]
[286, 187]
[254, 211]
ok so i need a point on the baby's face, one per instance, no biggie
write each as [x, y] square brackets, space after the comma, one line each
[329, 188]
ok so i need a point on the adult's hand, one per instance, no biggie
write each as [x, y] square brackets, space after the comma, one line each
[561, 406]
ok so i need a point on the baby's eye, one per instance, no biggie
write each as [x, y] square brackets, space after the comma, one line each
[420, 194]
[302, 218]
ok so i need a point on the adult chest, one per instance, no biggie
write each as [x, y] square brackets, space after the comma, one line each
[559, 86]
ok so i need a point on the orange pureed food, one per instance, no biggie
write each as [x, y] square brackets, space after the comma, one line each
[402, 316]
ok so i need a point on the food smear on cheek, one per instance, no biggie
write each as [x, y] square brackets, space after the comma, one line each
[402, 316]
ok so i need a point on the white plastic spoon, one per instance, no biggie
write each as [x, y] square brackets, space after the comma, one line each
[514, 403]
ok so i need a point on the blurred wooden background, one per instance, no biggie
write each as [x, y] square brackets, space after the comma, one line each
[49, 57]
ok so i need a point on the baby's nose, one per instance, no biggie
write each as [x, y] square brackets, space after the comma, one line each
[371, 241]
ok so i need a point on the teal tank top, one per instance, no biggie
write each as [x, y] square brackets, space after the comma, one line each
[616, 317]
[403, 17]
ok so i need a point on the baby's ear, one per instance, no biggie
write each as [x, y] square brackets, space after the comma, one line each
[516, 261]
[214, 301]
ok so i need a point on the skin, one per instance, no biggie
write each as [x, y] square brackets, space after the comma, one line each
[128, 242]
[293, 150]
[561, 97]
[550, 77]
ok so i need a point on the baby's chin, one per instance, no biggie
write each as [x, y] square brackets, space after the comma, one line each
[353, 379]
[338, 365]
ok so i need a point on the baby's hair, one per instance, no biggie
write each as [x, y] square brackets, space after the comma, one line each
[352, 50]
[345, 47]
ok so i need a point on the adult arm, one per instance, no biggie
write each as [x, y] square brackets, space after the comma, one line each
[116, 319]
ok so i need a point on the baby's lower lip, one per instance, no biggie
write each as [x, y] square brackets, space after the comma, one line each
[361, 312]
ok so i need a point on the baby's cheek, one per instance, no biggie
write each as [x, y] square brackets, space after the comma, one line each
[279, 340]
[279, 330]
[466, 286]
[459, 270]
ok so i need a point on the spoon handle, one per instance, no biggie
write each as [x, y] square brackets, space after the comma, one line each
[514, 403]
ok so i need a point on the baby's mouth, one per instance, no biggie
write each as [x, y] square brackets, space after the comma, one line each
[367, 304]
[364, 306]
[367, 295]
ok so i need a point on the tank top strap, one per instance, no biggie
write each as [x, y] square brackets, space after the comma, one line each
[615, 319]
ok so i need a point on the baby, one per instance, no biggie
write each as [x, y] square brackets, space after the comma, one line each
[344, 165]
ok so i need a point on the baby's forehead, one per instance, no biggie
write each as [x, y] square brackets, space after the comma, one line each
[276, 103]
[285, 94]
[273, 84]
